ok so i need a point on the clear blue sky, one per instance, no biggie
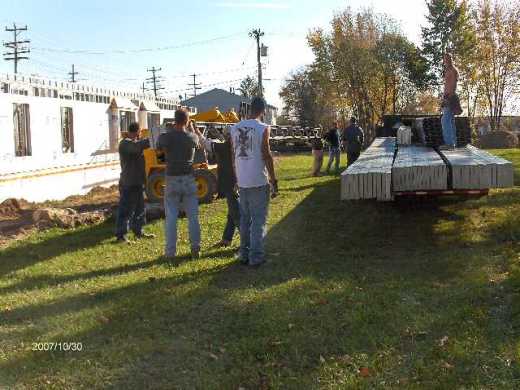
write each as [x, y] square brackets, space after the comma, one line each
[179, 27]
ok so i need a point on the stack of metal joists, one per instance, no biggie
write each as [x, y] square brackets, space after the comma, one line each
[469, 171]
[464, 131]
[432, 129]
[418, 168]
[370, 177]
[404, 135]
[502, 171]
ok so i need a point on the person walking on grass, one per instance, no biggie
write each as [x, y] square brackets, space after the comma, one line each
[131, 209]
[317, 153]
[450, 103]
[332, 137]
[353, 138]
[254, 167]
[226, 182]
[179, 145]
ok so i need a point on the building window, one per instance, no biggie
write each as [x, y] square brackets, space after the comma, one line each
[36, 91]
[125, 118]
[22, 130]
[67, 130]
[5, 88]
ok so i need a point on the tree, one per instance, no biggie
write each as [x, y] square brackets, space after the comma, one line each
[249, 87]
[498, 32]
[451, 29]
[300, 95]
[366, 66]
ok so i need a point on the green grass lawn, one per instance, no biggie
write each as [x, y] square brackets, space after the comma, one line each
[356, 295]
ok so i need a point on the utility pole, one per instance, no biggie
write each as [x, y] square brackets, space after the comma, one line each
[143, 87]
[155, 80]
[16, 48]
[195, 85]
[73, 75]
[257, 34]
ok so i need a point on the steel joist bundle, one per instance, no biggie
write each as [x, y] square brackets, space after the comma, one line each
[467, 171]
[370, 177]
[418, 168]
[430, 131]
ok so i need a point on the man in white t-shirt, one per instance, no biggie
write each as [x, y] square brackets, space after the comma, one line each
[254, 167]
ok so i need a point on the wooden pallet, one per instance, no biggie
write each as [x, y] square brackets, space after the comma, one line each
[370, 177]
[418, 168]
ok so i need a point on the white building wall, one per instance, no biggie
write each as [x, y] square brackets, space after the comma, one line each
[91, 134]
[50, 174]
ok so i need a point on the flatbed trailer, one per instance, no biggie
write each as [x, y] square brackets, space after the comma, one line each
[386, 171]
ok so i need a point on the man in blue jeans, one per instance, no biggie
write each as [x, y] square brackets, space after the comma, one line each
[254, 167]
[131, 209]
[179, 146]
[451, 77]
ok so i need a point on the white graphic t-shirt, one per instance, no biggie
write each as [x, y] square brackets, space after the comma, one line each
[247, 139]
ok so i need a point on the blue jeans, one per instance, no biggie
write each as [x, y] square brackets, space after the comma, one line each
[254, 205]
[130, 211]
[233, 216]
[181, 194]
[334, 155]
[449, 131]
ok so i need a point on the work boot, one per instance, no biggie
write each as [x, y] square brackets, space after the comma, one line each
[223, 244]
[145, 236]
[123, 240]
[195, 253]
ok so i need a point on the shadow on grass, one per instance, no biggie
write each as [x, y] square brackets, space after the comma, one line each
[344, 281]
[22, 255]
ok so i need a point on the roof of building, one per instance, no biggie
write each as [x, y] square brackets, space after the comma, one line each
[224, 100]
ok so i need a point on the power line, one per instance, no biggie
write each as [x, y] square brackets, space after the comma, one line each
[17, 48]
[133, 51]
[195, 85]
[225, 82]
[155, 80]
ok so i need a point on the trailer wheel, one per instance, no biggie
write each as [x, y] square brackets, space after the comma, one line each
[206, 185]
[155, 186]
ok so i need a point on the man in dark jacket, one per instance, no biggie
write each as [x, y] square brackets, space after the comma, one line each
[333, 137]
[353, 137]
[226, 185]
[131, 201]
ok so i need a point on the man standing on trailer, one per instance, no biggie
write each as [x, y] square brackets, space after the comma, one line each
[254, 167]
[353, 137]
[131, 184]
[450, 103]
[333, 137]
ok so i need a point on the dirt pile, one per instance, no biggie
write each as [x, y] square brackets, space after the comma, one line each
[18, 217]
[10, 209]
[66, 218]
